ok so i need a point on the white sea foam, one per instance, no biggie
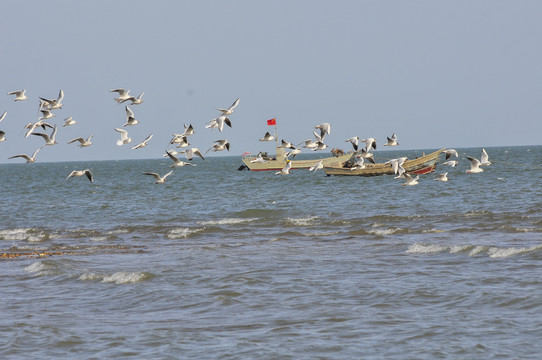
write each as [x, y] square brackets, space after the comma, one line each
[124, 277]
[495, 252]
[98, 238]
[305, 221]
[478, 250]
[382, 232]
[230, 221]
[181, 233]
[21, 235]
[459, 248]
[90, 277]
[418, 248]
[40, 268]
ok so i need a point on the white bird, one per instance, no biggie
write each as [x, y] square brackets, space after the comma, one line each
[325, 128]
[369, 143]
[82, 141]
[452, 163]
[219, 123]
[286, 169]
[267, 137]
[172, 152]
[292, 153]
[49, 139]
[397, 165]
[392, 141]
[180, 139]
[229, 110]
[124, 139]
[134, 100]
[450, 152]
[287, 145]
[69, 121]
[367, 155]
[29, 159]
[318, 165]
[188, 130]
[309, 144]
[359, 163]
[123, 95]
[442, 177]
[19, 95]
[47, 114]
[159, 179]
[143, 143]
[3, 116]
[484, 159]
[189, 153]
[354, 141]
[220, 145]
[410, 180]
[176, 161]
[259, 159]
[130, 117]
[53, 104]
[319, 146]
[2, 136]
[81, 173]
[474, 165]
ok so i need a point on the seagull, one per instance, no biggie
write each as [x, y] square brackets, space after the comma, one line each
[220, 145]
[53, 104]
[176, 161]
[172, 152]
[474, 165]
[29, 159]
[359, 163]
[369, 143]
[325, 128]
[180, 139]
[319, 146]
[318, 165]
[309, 144]
[130, 117]
[123, 95]
[124, 139]
[287, 145]
[81, 173]
[2, 136]
[32, 126]
[286, 169]
[392, 141]
[83, 142]
[367, 155]
[484, 159]
[410, 180]
[3, 116]
[452, 163]
[69, 121]
[259, 159]
[229, 110]
[267, 137]
[451, 152]
[188, 130]
[19, 95]
[293, 153]
[397, 165]
[189, 153]
[442, 177]
[134, 100]
[354, 141]
[47, 114]
[159, 179]
[49, 140]
[143, 143]
[219, 123]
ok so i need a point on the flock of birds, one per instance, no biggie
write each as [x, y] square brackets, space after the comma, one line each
[179, 140]
[363, 148]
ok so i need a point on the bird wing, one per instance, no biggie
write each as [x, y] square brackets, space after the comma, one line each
[89, 175]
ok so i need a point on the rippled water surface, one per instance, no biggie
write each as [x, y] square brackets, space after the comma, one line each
[226, 264]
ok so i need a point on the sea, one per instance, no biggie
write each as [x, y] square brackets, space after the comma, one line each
[218, 263]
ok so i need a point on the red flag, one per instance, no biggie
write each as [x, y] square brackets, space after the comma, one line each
[272, 122]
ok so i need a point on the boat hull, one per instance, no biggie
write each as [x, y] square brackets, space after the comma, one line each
[422, 165]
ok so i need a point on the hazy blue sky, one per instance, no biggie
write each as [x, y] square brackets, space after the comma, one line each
[438, 73]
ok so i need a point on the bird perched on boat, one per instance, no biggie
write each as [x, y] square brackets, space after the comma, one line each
[318, 165]
[450, 152]
[229, 110]
[392, 141]
[370, 143]
[176, 161]
[159, 179]
[2, 135]
[189, 153]
[410, 180]
[267, 137]
[124, 139]
[286, 169]
[49, 139]
[143, 143]
[123, 95]
[259, 159]
[81, 173]
[220, 145]
[51, 104]
[82, 142]
[474, 165]
[19, 95]
[218, 122]
[325, 129]
[452, 163]
[354, 141]
[3, 116]
[484, 158]
[130, 117]
[134, 100]
[69, 121]
[359, 163]
[29, 159]
[442, 177]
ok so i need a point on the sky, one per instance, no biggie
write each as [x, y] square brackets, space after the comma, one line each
[439, 74]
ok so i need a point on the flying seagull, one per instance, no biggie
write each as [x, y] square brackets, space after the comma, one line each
[123, 95]
[81, 173]
[143, 143]
[49, 140]
[124, 139]
[82, 141]
[19, 95]
[176, 161]
[392, 141]
[229, 110]
[29, 159]
[159, 179]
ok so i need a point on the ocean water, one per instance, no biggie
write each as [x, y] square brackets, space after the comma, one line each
[224, 264]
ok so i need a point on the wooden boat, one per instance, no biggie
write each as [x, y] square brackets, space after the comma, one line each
[422, 165]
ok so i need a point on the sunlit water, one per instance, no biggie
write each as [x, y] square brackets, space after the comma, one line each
[226, 264]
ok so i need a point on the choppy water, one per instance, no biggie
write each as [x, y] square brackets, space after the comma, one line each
[223, 264]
